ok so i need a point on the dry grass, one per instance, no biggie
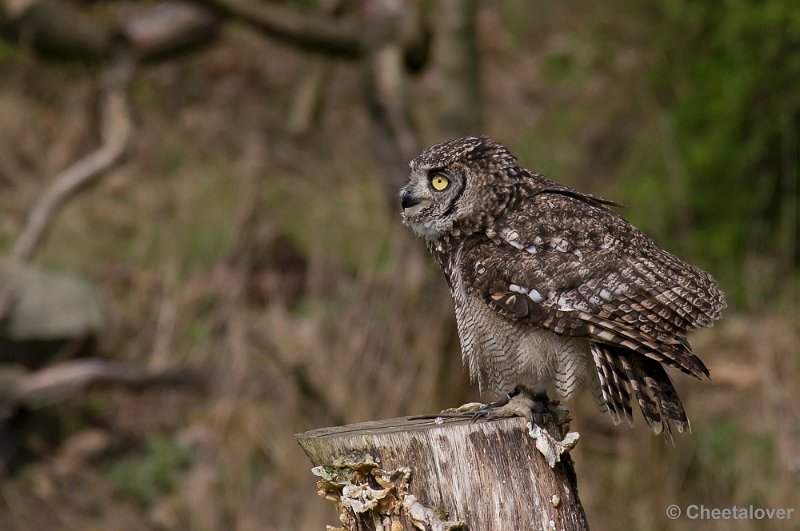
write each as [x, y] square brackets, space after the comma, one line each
[275, 269]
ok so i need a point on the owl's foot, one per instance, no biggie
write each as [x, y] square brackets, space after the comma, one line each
[548, 421]
[541, 414]
[517, 403]
[537, 408]
[508, 406]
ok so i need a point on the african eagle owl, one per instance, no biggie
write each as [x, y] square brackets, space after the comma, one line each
[552, 288]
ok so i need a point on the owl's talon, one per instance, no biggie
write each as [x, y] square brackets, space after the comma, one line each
[480, 413]
[486, 410]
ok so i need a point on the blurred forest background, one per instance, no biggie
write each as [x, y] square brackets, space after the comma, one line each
[201, 253]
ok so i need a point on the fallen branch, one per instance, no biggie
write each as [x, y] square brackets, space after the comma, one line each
[115, 131]
[320, 32]
[60, 29]
[169, 28]
[305, 30]
[68, 379]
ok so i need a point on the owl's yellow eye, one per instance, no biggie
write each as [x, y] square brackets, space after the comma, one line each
[439, 182]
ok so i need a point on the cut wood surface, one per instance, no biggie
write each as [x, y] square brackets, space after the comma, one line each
[457, 474]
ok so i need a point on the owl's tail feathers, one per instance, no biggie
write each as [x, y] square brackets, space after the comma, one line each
[612, 383]
[620, 336]
[623, 373]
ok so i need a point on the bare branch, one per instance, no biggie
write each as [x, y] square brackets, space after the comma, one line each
[308, 97]
[305, 30]
[115, 130]
[395, 140]
[72, 378]
[388, 26]
[458, 64]
[62, 29]
[170, 27]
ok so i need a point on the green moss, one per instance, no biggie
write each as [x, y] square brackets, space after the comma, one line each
[152, 474]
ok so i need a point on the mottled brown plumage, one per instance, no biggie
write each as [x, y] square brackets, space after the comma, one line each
[552, 287]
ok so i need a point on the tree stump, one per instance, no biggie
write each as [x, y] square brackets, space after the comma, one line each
[405, 474]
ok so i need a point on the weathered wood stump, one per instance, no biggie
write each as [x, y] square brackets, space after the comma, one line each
[404, 474]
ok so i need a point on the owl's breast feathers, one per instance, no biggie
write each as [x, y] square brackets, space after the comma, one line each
[565, 262]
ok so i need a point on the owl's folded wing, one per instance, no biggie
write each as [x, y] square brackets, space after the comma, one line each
[583, 271]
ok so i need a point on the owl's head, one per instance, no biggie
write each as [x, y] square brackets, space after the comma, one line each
[458, 185]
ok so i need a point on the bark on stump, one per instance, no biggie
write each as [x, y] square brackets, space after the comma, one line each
[403, 474]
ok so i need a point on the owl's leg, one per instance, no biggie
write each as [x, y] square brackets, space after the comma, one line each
[536, 407]
[517, 403]
[473, 410]
[478, 410]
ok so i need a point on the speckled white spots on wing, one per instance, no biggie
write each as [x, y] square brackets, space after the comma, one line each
[620, 289]
[561, 245]
[564, 304]
[517, 289]
[509, 235]
[532, 249]
[582, 306]
[535, 295]
[578, 253]
[605, 294]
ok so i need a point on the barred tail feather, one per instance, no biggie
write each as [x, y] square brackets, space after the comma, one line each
[623, 374]
[662, 387]
[612, 385]
[615, 334]
[647, 403]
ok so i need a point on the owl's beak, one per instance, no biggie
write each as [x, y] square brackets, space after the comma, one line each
[407, 200]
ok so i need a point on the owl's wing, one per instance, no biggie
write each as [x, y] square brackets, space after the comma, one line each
[572, 266]
[568, 264]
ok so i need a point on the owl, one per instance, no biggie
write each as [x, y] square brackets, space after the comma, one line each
[552, 288]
